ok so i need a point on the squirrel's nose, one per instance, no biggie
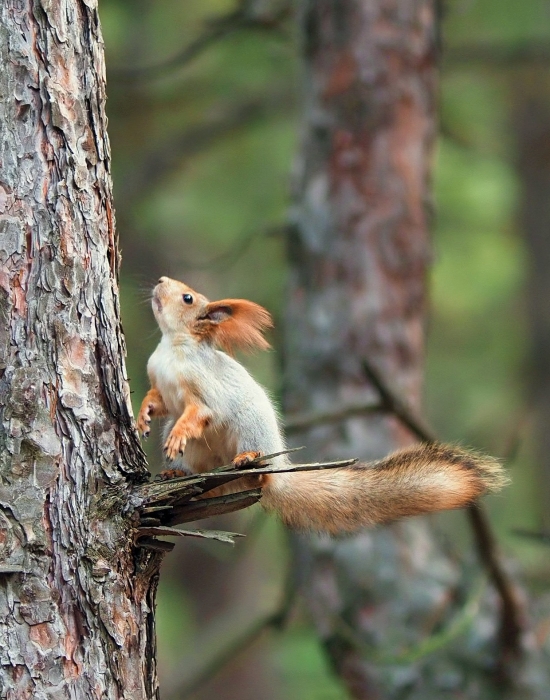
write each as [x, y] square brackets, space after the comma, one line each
[162, 279]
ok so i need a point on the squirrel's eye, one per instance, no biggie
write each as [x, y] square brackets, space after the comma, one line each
[188, 298]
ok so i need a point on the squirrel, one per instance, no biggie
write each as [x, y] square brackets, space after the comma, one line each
[218, 414]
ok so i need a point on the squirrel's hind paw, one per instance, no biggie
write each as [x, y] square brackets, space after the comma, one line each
[242, 460]
[167, 474]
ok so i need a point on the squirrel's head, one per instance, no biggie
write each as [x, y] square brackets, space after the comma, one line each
[232, 324]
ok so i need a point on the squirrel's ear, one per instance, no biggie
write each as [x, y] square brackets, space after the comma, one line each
[235, 324]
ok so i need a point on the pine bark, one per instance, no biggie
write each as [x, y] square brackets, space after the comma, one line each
[76, 603]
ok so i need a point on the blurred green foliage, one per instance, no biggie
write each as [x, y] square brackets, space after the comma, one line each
[213, 210]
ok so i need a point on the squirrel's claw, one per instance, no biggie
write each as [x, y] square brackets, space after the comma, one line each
[175, 445]
[144, 421]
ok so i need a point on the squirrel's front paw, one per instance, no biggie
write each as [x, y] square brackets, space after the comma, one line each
[152, 405]
[144, 420]
[175, 445]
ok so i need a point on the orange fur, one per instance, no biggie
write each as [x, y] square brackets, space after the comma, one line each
[241, 460]
[190, 425]
[152, 405]
[218, 411]
[234, 324]
[168, 474]
[419, 479]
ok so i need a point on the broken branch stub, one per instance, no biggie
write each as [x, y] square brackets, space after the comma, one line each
[176, 501]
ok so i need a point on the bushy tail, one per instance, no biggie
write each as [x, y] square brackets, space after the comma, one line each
[420, 479]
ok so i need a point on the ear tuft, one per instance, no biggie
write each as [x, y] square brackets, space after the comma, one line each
[235, 324]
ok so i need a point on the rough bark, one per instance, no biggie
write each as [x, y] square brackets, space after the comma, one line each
[359, 252]
[76, 605]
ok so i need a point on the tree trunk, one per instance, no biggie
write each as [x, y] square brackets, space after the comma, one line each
[76, 603]
[531, 122]
[359, 252]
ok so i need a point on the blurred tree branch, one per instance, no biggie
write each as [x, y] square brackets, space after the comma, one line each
[498, 55]
[166, 158]
[249, 15]
[512, 613]
[275, 620]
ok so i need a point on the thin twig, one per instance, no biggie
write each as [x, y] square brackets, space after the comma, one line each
[229, 257]
[499, 55]
[304, 421]
[393, 404]
[512, 616]
[216, 663]
[538, 537]
[514, 436]
[226, 120]
[433, 642]
[215, 30]
[167, 157]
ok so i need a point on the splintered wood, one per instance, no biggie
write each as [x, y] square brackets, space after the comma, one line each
[180, 500]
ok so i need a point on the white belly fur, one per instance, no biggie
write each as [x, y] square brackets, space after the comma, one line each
[241, 417]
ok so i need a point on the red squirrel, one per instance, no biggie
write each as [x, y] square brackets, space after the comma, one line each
[219, 414]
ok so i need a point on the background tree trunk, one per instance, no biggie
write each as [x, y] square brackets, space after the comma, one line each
[75, 605]
[359, 251]
[531, 121]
